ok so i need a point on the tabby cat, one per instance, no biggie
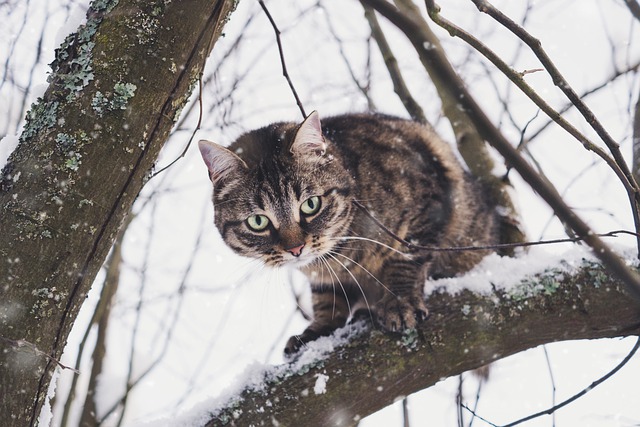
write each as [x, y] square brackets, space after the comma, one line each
[288, 194]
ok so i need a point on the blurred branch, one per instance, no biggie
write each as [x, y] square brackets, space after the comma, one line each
[399, 85]
[634, 8]
[100, 317]
[578, 307]
[364, 89]
[636, 140]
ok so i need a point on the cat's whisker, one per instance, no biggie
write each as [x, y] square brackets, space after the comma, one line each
[344, 291]
[364, 296]
[364, 269]
[333, 284]
[373, 241]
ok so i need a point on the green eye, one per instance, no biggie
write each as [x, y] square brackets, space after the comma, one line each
[257, 222]
[310, 206]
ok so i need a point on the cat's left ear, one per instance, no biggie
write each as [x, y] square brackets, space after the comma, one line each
[221, 162]
[309, 140]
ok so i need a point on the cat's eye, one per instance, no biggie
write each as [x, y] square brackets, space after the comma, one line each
[257, 222]
[310, 206]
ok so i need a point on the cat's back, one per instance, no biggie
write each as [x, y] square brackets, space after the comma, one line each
[388, 137]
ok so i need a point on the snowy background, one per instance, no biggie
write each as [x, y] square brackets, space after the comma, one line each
[191, 318]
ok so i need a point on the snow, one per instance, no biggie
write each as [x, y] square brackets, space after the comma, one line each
[321, 384]
[7, 145]
[505, 273]
[258, 376]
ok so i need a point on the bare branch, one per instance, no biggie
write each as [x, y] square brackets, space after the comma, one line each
[399, 86]
[285, 73]
[628, 180]
[18, 345]
[583, 391]
[636, 140]
[363, 88]
[634, 8]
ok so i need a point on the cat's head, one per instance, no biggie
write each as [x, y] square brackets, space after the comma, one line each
[279, 193]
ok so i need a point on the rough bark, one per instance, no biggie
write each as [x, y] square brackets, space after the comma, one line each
[116, 88]
[464, 332]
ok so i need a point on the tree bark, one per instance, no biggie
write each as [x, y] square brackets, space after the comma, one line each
[116, 88]
[464, 332]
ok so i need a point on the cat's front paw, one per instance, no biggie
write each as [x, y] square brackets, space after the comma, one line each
[312, 333]
[296, 342]
[397, 313]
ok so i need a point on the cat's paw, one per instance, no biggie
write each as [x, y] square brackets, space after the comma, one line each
[396, 314]
[312, 333]
[296, 342]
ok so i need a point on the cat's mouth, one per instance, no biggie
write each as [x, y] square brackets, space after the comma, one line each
[300, 260]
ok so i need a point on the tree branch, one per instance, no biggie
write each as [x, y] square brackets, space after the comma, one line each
[399, 86]
[87, 148]
[464, 332]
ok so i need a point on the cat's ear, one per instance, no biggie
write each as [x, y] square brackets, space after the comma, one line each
[219, 160]
[309, 139]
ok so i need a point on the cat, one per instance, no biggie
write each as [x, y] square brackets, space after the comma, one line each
[289, 194]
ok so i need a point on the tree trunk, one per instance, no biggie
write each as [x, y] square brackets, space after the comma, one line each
[116, 88]
[463, 332]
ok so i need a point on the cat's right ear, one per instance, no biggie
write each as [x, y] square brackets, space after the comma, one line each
[220, 161]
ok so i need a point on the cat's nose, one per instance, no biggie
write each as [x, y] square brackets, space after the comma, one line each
[296, 250]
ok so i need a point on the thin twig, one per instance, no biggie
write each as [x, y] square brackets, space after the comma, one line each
[364, 89]
[558, 79]
[634, 8]
[582, 392]
[18, 344]
[497, 246]
[193, 134]
[573, 398]
[518, 80]
[399, 86]
[285, 73]
[553, 383]
[632, 68]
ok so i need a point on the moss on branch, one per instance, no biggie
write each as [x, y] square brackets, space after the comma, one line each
[464, 332]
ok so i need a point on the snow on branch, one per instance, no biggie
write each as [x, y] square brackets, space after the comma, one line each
[338, 381]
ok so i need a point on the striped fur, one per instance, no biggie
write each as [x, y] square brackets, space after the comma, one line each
[405, 175]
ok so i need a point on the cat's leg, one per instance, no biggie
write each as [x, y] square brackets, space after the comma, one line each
[403, 304]
[331, 309]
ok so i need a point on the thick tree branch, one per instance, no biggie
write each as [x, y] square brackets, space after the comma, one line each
[117, 87]
[464, 332]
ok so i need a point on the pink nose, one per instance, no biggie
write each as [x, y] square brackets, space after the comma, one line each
[296, 251]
